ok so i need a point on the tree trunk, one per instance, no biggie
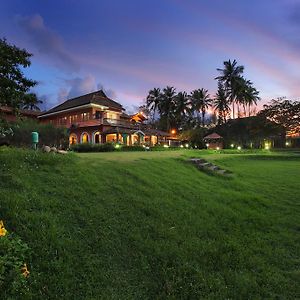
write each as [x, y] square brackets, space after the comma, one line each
[203, 115]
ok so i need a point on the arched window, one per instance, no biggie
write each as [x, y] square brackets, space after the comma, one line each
[85, 138]
[97, 137]
[73, 139]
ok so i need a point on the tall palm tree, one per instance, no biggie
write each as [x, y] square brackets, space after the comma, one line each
[230, 77]
[247, 95]
[200, 100]
[181, 106]
[152, 102]
[221, 104]
[166, 105]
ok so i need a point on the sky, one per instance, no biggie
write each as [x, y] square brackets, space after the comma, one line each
[128, 47]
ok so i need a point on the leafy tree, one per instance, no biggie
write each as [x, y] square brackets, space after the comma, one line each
[14, 86]
[284, 112]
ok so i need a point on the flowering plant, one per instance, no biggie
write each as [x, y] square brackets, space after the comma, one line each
[13, 270]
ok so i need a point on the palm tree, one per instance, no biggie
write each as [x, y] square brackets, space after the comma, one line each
[181, 106]
[166, 105]
[221, 104]
[31, 102]
[200, 101]
[230, 77]
[153, 99]
[247, 95]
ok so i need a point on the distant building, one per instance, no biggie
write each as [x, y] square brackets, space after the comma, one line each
[213, 141]
[8, 114]
[95, 118]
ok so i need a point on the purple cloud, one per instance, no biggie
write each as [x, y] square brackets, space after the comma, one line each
[47, 42]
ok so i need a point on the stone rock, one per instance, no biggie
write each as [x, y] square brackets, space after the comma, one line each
[62, 152]
[53, 149]
[46, 149]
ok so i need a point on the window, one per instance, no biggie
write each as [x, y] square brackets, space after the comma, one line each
[85, 116]
[84, 138]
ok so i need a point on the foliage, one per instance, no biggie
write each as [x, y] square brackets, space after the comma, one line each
[284, 112]
[250, 132]
[88, 147]
[48, 134]
[149, 225]
[13, 269]
[194, 136]
[14, 86]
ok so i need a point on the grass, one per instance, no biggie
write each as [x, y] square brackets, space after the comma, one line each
[149, 225]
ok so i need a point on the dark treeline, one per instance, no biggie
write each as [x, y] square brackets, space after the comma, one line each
[235, 97]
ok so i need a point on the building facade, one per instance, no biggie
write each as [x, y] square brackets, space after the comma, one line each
[95, 118]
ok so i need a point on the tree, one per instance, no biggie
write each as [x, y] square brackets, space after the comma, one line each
[181, 108]
[31, 102]
[200, 101]
[230, 76]
[221, 104]
[153, 100]
[284, 112]
[167, 105]
[14, 86]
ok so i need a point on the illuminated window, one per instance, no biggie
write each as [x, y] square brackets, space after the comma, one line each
[84, 138]
[73, 139]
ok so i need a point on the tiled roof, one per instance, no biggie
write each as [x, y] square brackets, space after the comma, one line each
[213, 136]
[97, 97]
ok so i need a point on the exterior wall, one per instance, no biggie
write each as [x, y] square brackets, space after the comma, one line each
[214, 145]
[66, 119]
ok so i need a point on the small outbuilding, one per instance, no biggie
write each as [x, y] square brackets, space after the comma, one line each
[213, 141]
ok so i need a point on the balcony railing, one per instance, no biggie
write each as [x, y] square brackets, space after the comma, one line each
[100, 121]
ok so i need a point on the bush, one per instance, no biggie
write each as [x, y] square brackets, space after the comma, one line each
[132, 148]
[87, 147]
[48, 134]
[13, 269]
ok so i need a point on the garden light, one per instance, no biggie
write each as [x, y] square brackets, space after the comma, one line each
[232, 145]
[239, 147]
[181, 146]
[166, 146]
[287, 143]
[117, 146]
[186, 145]
[218, 148]
[207, 145]
[173, 131]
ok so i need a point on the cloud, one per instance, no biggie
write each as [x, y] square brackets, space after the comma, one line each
[47, 41]
[109, 92]
[80, 86]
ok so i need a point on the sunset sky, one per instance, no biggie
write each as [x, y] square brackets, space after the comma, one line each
[129, 47]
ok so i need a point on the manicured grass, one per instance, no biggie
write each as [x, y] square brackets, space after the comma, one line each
[144, 225]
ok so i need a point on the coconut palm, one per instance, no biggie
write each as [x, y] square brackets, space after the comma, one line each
[200, 101]
[181, 106]
[31, 102]
[230, 77]
[221, 104]
[167, 104]
[152, 102]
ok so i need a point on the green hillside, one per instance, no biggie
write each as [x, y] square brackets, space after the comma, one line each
[148, 225]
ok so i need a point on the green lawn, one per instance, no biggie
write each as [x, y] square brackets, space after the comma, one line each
[148, 225]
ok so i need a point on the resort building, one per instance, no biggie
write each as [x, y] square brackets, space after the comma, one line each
[95, 118]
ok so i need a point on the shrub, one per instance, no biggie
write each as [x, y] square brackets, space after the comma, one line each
[87, 147]
[48, 134]
[132, 148]
[13, 269]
